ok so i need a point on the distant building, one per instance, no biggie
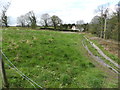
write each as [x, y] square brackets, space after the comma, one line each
[75, 28]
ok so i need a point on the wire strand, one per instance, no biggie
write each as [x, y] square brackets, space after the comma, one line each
[20, 71]
[21, 75]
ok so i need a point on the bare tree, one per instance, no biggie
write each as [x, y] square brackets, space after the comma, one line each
[45, 19]
[56, 21]
[105, 22]
[29, 19]
[118, 11]
[32, 18]
[110, 24]
[103, 10]
[3, 16]
[79, 24]
[21, 21]
[118, 14]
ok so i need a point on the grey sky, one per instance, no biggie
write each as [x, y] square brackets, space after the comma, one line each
[68, 10]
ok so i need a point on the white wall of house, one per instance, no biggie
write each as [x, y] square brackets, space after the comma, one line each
[73, 28]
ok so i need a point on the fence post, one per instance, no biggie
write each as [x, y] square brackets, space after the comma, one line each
[4, 78]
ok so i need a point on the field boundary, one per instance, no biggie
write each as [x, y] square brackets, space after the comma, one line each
[98, 59]
[52, 29]
[101, 53]
[33, 83]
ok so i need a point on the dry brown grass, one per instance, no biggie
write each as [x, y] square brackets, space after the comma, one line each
[109, 45]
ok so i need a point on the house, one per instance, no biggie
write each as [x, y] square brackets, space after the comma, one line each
[73, 27]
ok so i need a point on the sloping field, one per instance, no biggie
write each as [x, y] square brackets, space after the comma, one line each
[51, 59]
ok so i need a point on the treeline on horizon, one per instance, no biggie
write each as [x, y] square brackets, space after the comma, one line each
[104, 25]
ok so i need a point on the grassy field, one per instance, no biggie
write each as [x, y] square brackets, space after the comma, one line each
[52, 59]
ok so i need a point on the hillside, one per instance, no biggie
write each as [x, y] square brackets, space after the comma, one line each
[53, 60]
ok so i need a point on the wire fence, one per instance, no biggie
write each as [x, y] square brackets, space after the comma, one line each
[33, 83]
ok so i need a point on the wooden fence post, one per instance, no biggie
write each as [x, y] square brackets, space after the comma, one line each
[4, 78]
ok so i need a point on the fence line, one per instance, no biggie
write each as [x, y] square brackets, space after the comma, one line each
[20, 73]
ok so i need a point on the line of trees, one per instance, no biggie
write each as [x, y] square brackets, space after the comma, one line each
[30, 20]
[27, 20]
[81, 26]
[106, 25]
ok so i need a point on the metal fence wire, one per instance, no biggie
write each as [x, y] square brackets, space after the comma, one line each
[11, 65]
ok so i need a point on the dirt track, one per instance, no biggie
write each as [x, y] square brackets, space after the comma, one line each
[98, 59]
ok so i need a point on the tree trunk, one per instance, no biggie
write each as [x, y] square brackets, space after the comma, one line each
[104, 29]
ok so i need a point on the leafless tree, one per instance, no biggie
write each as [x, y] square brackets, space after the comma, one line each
[21, 21]
[56, 21]
[31, 19]
[118, 14]
[45, 19]
[79, 24]
[3, 17]
[103, 10]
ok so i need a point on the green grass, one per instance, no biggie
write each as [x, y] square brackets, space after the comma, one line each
[52, 59]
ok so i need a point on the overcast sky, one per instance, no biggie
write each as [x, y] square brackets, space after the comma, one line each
[68, 10]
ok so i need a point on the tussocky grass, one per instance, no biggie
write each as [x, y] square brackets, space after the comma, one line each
[52, 59]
